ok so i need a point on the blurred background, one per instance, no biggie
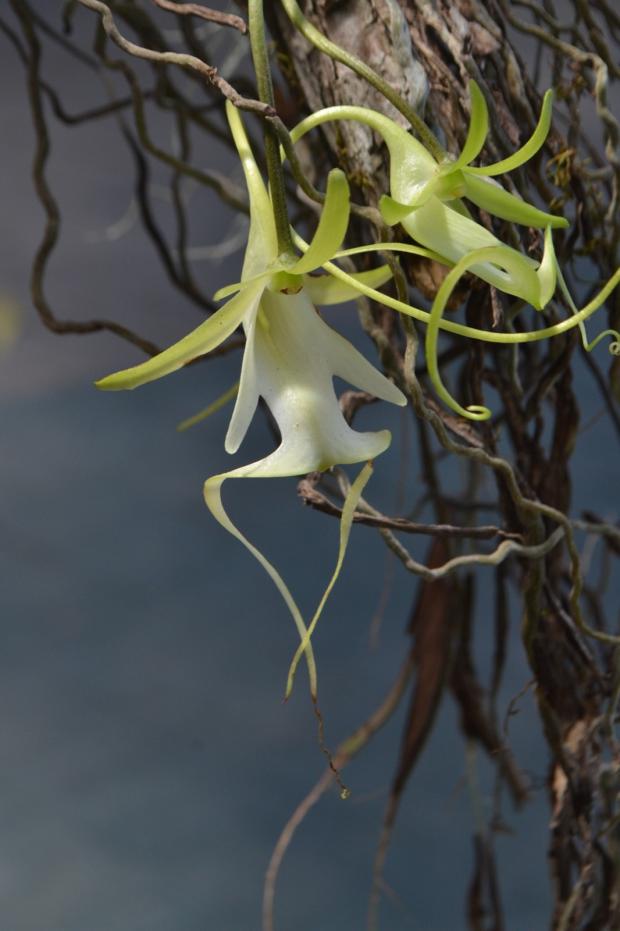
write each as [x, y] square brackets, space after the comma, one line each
[148, 762]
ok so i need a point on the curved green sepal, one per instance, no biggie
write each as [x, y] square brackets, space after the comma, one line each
[202, 340]
[262, 248]
[547, 271]
[325, 289]
[392, 211]
[488, 195]
[478, 128]
[411, 164]
[332, 226]
[527, 151]
[407, 247]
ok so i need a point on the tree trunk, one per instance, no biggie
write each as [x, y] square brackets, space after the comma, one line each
[429, 52]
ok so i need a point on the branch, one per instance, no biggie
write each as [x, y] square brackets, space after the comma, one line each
[208, 72]
[204, 12]
[505, 549]
[52, 213]
[311, 496]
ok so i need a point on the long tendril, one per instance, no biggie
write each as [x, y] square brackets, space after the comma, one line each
[614, 346]
[462, 329]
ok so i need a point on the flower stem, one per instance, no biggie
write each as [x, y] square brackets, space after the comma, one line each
[272, 148]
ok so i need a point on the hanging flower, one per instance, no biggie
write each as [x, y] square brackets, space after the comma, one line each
[291, 355]
[425, 196]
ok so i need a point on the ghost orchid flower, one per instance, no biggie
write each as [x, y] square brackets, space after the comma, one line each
[425, 196]
[290, 359]
[426, 201]
[455, 178]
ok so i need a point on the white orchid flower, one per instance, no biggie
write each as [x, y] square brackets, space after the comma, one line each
[425, 199]
[290, 359]
[425, 196]
[456, 178]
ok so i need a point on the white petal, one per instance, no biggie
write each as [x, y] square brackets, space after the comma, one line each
[247, 396]
[315, 448]
[439, 227]
[351, 365]
[296, 357]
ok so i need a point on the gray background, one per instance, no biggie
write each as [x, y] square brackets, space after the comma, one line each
[147, 762]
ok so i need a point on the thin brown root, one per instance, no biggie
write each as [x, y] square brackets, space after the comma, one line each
[348, 749]
[345, 792]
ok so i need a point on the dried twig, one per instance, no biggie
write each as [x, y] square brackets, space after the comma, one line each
[50, 236]
[310, 495]
[204, 12]
[183, 60]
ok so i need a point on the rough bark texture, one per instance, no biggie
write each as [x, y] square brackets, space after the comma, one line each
[430, 51]
[378, 34]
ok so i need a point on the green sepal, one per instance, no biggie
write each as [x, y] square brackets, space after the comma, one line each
[392, 211]
[547, 271]
[478, 128]
[495, 200]
[407, 247]
[527, 151]
[325, 289]
[262, 248]
[199, 342]
[411, 164]
[332, 226]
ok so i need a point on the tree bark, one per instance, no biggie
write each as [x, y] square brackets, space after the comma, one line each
[429, 51]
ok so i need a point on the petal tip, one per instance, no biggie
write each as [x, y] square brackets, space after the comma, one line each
[231, 446]
[393, 395]
[110, 383]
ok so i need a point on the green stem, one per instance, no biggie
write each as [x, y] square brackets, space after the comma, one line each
[275, 172]
[346, 58]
